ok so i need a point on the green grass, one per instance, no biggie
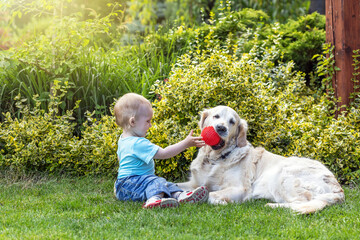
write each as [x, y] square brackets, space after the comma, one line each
[84, 208]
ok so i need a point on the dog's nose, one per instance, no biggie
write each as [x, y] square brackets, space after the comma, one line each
[220, 129]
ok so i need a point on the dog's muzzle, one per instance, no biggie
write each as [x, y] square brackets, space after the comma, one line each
[223, 132]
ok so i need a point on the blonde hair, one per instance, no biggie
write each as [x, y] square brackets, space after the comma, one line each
[127, 107]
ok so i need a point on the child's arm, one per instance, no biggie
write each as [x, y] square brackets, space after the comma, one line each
[175, 149]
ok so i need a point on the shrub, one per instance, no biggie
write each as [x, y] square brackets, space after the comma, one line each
[44, 140]
[95, 152]
[283, 115]
[252, 86]
[243, 69]
[301, 40]
[230, 27]
[39, 140]
[69, 49]
[73, 50]
[298, 39]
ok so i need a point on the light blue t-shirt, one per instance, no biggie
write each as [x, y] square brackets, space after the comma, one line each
[136, 156]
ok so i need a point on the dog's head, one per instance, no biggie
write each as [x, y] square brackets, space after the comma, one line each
[227, 123]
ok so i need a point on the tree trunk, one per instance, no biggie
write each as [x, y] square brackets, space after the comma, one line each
[343, 32]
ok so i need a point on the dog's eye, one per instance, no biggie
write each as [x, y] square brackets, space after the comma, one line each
[216, 116]
[232, 122]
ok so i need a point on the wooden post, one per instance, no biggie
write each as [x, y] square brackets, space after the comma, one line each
[343, 32]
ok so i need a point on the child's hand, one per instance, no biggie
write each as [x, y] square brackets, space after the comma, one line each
[194, 141]
[177, 148]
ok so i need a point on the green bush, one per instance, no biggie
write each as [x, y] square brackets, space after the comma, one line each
[155, 14]
[38, 140]
[44, 140]
[95, 151]
[251, 85]
[301, 40]
[228, 28]
[88, 54]
[73, 50]
[278, 10]
[69, 49]
[298, 39]
[241, 61]
[284, 116]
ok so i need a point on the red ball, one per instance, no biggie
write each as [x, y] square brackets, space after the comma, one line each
[210, 136]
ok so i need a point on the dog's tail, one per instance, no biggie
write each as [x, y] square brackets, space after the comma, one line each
[316, 204]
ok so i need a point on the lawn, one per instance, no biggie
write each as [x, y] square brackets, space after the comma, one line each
[84, 208]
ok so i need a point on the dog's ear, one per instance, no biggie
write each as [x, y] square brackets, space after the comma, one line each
[204, 115]
[242, 130]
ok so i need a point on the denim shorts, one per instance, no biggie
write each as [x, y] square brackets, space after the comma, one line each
[141, 188]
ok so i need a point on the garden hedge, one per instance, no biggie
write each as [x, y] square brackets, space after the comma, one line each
[284, 115]
[44, 141]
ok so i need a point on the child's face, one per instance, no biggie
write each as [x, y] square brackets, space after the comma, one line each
[143, 121]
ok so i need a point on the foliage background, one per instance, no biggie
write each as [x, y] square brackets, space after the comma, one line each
[64, 63]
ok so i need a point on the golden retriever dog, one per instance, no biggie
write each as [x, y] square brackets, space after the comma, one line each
[235, 171]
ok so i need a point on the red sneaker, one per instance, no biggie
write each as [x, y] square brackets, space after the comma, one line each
[163, 203]
[200, 194]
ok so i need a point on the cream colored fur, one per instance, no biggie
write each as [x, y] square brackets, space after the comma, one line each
[235, 171]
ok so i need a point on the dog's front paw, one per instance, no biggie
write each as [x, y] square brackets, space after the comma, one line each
[214, 199]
